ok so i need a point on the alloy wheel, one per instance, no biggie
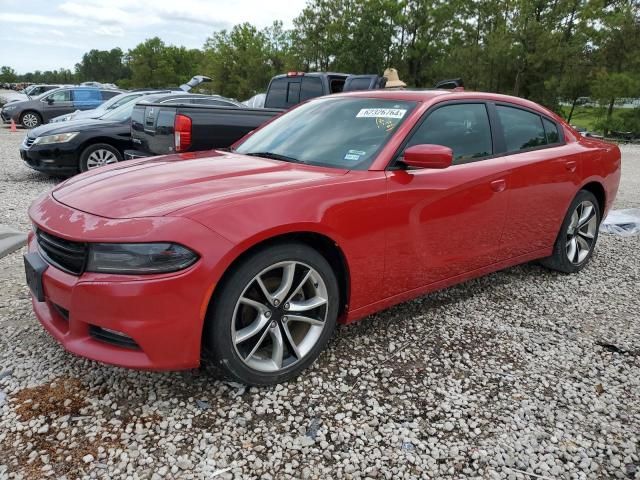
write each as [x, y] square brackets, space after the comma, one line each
[581, 232]
[30, 120]
[101, 157]
[280, 316]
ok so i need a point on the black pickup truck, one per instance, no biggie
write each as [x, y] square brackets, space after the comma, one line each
[162, 129]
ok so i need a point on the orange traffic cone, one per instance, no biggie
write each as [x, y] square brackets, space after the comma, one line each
[13, 126]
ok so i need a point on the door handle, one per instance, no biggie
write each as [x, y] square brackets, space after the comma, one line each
[498, 185]
[571, 165]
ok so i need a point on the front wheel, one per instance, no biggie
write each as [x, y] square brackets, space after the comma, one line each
[98, 155]
[30, 120]
[578, 235]
[273, 315]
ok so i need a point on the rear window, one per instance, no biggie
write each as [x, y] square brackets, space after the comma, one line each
[360, 84]
[277, 94]
[311, 88]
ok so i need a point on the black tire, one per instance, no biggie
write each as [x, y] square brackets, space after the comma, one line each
[559, 259]
[87, 152]
[30, 115]
[218, 342]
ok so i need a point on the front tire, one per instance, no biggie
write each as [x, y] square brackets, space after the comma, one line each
[30, 120]
[578, 235]
[98, 155]
[273, 315]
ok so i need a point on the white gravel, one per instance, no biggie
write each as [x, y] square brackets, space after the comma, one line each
[521, 374]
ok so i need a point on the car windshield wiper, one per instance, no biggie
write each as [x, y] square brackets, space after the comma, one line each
[275, 156]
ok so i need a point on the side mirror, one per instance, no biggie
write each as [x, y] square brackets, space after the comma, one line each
[50, 101]
[428, 156]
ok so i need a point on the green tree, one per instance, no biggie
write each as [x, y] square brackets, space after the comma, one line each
[101, 66]
[7, 74]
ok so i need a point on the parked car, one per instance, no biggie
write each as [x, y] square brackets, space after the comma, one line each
[289, 89]
[36, 90]
[65, 148]
[125, 97]
[339, 208]
[199, 124]
[154, 132]
[111, 104]
[60, 101]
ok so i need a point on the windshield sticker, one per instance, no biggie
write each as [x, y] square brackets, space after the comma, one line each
[354, 155]
[381, 113]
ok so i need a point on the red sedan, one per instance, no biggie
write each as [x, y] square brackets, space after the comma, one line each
[339, 208]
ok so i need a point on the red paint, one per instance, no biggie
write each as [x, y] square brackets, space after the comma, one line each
[402, 232]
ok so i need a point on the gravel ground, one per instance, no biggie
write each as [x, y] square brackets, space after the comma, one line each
[521, 374]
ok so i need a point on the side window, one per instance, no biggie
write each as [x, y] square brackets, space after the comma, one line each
[522, 129]
[464, 128]
[551, 129]
[87, 96]
[276, 96]
[336, 84]
[311, 88]
[60, 96]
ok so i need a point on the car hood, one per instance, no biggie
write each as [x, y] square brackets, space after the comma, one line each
[160, 186]
[65, 127]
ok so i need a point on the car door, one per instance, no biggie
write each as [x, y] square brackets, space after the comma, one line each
[446, 222]
[544, 178]
[59, 102]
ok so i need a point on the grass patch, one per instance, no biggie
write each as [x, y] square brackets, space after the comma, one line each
[587, 117]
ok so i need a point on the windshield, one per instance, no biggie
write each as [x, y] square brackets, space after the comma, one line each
[335, 132]
[119, 100]
[121, 113]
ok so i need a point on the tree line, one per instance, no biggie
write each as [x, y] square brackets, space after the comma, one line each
[544, 50]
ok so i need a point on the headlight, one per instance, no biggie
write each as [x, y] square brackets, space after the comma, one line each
[59, 138]
[8, 108]
[138, 258]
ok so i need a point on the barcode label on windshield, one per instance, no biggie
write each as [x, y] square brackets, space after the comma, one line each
[381, 113]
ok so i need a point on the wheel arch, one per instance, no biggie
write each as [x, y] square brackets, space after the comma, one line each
[597, 189]
[97, 140]
[30, 110]
[320, 242]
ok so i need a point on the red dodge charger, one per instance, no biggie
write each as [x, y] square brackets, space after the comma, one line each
[341, 207]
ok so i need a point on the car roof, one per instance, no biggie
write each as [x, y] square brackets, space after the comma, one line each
[430, 95]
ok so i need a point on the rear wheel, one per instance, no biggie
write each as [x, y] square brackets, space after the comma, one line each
[578, 235]
[271, 318]
[98, 155]
[30, 120]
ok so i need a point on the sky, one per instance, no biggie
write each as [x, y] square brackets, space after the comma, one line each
[48, 35]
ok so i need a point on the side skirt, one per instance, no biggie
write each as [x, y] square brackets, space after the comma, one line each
[361, 312]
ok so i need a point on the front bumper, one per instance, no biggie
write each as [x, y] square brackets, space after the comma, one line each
[7, 116]
[161, 315]
[53, 159]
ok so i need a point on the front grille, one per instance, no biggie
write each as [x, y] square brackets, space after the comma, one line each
[64, 254]
[28, 141]
[112, 337]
